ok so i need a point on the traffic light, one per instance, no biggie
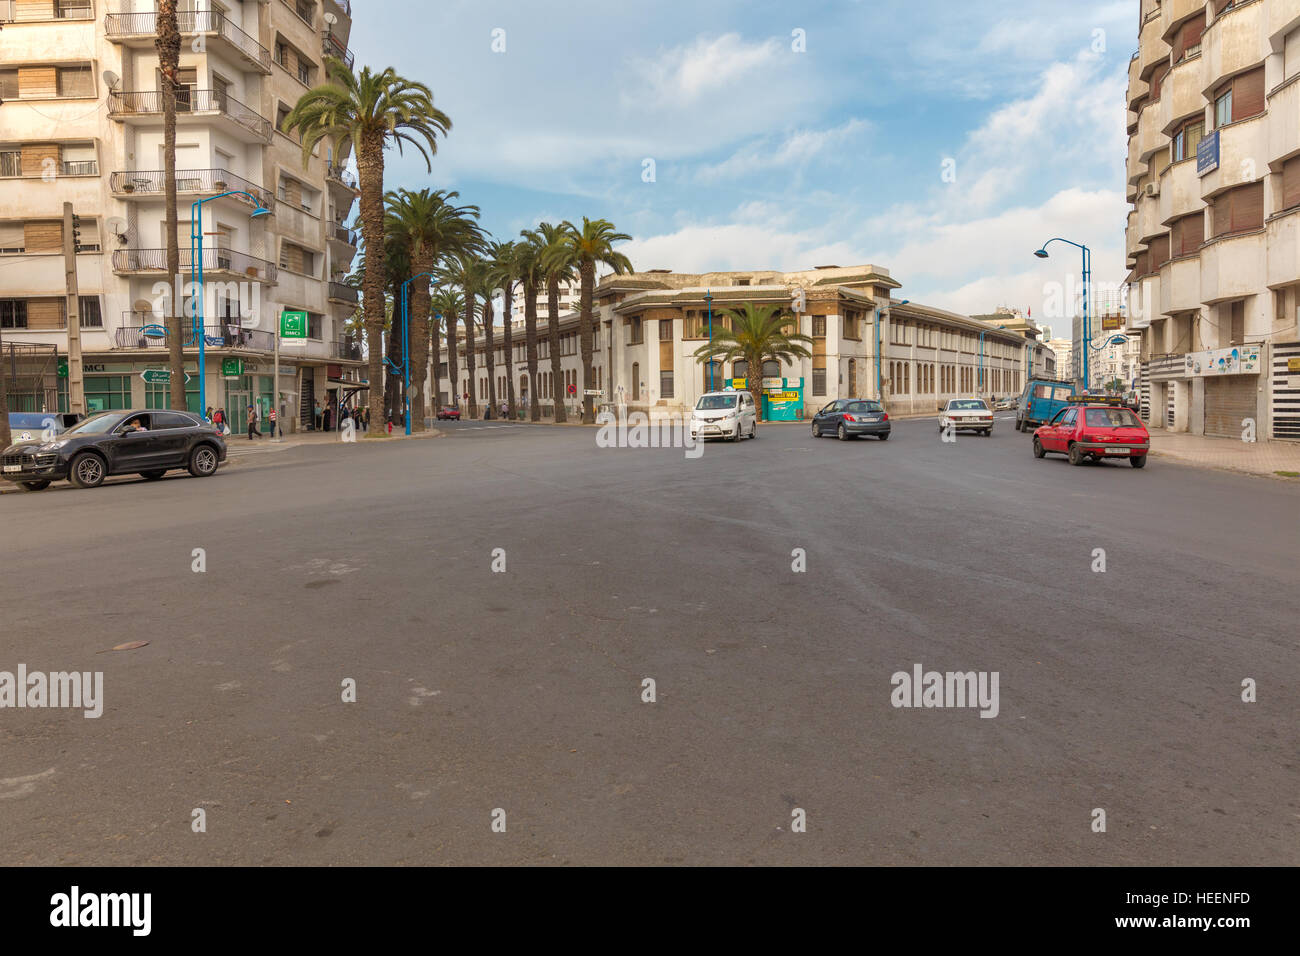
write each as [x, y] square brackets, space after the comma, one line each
[76, 233]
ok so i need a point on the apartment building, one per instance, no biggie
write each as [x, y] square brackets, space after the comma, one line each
[649, 325]
[569, 301]
[81, 121]
[1213, 236]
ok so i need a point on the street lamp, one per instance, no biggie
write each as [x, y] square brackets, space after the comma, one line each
[1087, 275]
[879, 395]
[708, 301]
[196, 279]
[406, 347]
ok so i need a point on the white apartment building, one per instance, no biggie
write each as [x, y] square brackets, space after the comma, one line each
[649, 325]
[82, 122]
[1213, 237]
[569, 300]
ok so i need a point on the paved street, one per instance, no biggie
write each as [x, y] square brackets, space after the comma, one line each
[522, 690]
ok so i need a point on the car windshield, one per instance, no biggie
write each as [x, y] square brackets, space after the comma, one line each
[864, 407]
[1111, 418]
[95, 424]
[966, 403]
[714, 402]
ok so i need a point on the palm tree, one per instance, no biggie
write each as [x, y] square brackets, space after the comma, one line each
[757, 334]
[580, 252]
[468, 272]
[447, 303]
[429, 226]
[370, 111]
[167, 42]
[505, 258]
[550, 240]
[530, 274]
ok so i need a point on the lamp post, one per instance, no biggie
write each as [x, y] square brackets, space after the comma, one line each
[980, 384]
[708, 301]
[406, 347]
[196, 279]
[1087, 275]
[879, 394]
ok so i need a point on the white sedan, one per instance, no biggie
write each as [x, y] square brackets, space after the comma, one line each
[971, 414]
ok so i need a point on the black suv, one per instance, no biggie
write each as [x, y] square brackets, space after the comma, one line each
[147, 443]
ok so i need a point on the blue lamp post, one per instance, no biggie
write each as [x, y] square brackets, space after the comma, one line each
[406, 347]
[1087, 275]
[196, 278]
[879, 395]
[708, 301]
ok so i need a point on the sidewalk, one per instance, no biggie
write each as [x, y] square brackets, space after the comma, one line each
[238, 445]
[1226, 454]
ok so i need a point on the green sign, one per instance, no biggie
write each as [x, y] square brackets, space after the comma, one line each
[293, 325]
[232, 367]
[63, 368]
[159, 376]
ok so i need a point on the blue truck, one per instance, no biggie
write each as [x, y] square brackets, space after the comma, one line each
[1040, 401]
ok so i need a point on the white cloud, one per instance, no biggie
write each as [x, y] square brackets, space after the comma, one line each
[795, 150]
[682, 75]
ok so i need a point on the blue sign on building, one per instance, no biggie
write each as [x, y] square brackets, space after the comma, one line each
[1207, 154]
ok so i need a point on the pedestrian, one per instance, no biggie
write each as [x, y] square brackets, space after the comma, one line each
[273, 423]
[365, 419]
[325, 417]
[316, 416]
[208, 416]
[218, 417]
[252, 423]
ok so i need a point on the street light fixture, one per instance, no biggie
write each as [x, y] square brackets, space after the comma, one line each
[879, 395]
[1087, 275]
[196, 280]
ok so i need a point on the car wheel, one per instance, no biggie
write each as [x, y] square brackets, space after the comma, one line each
[87, 471]
[988, 433]
[153, 474]
[203, 461]
[1039, 450]
[1138, 461]
[841, 433]
[753, 430]
[739, 434]
[883, 436]
[40, 485]
[817, 430]
[1076, 455]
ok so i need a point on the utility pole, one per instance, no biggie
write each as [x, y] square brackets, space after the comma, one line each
[76, 380]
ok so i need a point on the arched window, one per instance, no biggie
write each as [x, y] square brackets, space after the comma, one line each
[712, 379]
[771, 369]
[740, 369]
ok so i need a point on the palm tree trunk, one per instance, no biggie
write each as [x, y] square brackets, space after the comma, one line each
[394, 395]
[470, 389]
[755, 384]
[370, 174]
[530, 345]
[453, 365]
[553, 336]
[435, 360]
[491, 357]
[587, 275]
[418, 310]
[168, 45]
[508, 294]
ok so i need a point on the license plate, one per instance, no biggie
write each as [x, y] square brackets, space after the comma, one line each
[710, 430]
[13, 467]
[1118, 451]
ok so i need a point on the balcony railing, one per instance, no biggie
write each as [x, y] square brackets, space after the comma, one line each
[343, 234]
[11, 12]
[147, 331]
[333, 46]
[340, 175]
[345, 349]
[214, 260]
[149, 103]
[344, 293]
[191, 21]
[153, 182]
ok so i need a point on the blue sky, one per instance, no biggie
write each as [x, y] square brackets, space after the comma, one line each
[765, 157]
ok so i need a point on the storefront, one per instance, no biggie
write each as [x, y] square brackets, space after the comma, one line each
[1231, 388]
[782, 397]
[113, 386]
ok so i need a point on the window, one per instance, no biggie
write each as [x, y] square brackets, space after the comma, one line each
[1186, 138]
[314, 324]
[88, 306]
[8, 84]
[1223, 108]
[75, 81]
[740, 369]
[638, 332]
[666, 383]
[13, 313]
[851, 328]
[713, 376]
[1290, 191]
[1240, 209]
[108, 392]
[818, 325]
[819, 381]
[11, 162]
[665, 330]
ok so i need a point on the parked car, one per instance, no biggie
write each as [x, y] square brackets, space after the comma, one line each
[724, 415]
[144, 442]
[1089, 429]
[1003, 405]
[966, 414]
[1040, 401]
[847, 418]
[449, 412]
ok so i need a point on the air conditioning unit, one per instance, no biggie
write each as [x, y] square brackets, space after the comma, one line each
[1153, 190]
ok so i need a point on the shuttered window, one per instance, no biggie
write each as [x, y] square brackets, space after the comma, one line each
[1159, 251]
[1291, 183]
[1248, 94]
[1157, 83]
[1186, 235]
[1239, 210]
[1188, 39]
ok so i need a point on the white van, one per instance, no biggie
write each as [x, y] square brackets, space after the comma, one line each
[729, 414]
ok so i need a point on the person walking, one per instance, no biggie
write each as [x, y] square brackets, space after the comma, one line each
[273, 423]
[252, 423]
[208, 415]
[316, 416]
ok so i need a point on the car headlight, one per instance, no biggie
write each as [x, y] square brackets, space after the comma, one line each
[55, 445]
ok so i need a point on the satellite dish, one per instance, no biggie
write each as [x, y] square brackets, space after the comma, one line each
[116, 225]
[331, 19]
[112, 79]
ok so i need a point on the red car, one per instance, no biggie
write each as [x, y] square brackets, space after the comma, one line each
[451, 411]
[1094, 430]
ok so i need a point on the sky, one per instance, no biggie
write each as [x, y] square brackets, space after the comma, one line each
[945, 141]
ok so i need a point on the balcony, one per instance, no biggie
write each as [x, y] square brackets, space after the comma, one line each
[139, 29]
[1180, 285]
[341, 233]
[1180, 96]
[1284, 126]
[136, 184]
[1174, 12]
[147, 331]
[1150, 138]
[1283, 233]
[1137, 87]
[1233, 42]
[1232, 267]
[53, 10]
[339, 292]
[216, 262]
[344, 5]
[341, 177]
[1152, 49]
[346, 349]
[1148, 219]
[331, 45]
[1180, 191]
[1242, 147]
[193, 107]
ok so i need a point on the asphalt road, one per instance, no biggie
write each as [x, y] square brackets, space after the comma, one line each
[522, 690]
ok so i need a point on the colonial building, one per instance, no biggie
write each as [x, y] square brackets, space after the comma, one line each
[81, 122]
[864, 344]
[1213, 238]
